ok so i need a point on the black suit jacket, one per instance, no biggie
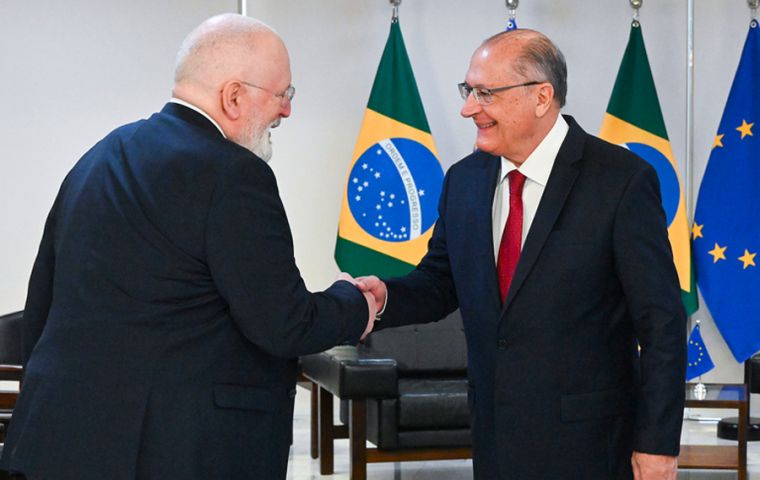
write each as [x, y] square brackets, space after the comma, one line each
[165, 314]
[557, 388]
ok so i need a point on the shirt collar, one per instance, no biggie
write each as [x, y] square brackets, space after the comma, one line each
[538, 166]
[179, 101]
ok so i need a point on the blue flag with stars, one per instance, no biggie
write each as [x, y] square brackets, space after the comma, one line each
[699, 360]
[726, 230]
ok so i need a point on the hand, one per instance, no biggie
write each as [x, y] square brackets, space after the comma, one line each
[647, 466]
[376, 287]
[372, 314]
[371, 303]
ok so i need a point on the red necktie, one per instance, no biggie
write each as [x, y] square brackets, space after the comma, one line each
[511, 239]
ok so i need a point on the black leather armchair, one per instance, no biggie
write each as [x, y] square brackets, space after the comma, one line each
[404, 390]
[10, 368]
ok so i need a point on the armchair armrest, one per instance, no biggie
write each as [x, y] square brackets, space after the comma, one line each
[350, 373]
[11, 372]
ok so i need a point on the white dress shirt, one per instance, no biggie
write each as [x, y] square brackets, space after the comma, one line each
[536, 169]
[179, 101]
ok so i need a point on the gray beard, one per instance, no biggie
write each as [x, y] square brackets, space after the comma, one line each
[262, 145]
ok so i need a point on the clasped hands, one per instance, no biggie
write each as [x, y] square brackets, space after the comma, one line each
[374, 292]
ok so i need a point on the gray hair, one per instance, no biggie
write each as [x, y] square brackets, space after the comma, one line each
[539, 56]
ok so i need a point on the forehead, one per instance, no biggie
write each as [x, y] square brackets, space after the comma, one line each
[493, 63]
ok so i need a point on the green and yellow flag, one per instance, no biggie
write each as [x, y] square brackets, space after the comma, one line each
[634, 120]
[391, 197]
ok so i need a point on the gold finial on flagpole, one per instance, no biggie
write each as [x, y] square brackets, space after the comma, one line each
[753, 6]
[395, 4]
[636, 5]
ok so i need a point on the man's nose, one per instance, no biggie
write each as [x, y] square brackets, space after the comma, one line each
[470, 107]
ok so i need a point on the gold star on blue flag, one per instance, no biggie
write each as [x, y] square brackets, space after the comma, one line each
[699, 359]
[727, 217]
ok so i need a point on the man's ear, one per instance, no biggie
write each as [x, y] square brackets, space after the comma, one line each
[231, 93]
[544, 99]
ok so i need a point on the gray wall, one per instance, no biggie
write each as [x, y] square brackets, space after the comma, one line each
[72, 71]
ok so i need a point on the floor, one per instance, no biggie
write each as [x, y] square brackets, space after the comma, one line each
[699, 429]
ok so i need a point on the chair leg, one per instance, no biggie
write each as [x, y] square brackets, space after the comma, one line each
[357, 435]
[314, 420]
[326, 463]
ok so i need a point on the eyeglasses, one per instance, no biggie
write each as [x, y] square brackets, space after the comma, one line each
[484, 96]
[285, 97]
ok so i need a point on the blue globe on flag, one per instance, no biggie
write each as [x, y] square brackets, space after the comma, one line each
[393, 189]
[670, 190]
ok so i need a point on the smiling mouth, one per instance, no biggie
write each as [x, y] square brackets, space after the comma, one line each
[483, 126]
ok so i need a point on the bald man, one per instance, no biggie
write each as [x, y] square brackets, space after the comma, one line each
[165, 311]
[554, 246]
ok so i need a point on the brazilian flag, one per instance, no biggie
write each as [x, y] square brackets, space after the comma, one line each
[634, 120]
[390, 202]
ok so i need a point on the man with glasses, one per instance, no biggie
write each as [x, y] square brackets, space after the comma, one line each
[553, 244]
[165, 311]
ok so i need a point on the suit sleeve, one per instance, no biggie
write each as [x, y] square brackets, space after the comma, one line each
[40, 293]
[250, 255]
[427, 294]
[644, 264]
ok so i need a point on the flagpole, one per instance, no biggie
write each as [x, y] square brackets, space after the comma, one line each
[243, 7]
[688, 184]
[512, 14]
[512, 9]
[699, 390]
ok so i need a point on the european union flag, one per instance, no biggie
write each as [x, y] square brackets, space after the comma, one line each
[726, 229]
[699, 359]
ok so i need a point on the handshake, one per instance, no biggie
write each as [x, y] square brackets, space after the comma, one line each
[374, 292]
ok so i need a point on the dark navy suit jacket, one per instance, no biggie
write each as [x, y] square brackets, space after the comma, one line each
[165, 314]
[557, 389]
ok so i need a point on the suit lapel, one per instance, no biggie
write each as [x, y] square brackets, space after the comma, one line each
[484, 230]
[561, 180]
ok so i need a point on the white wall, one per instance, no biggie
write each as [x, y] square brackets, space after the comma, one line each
[72, 71]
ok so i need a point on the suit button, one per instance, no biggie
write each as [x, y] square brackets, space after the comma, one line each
[502, 344]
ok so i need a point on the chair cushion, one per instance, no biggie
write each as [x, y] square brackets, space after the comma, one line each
[438, 347]
[433, 403]
[10, 338]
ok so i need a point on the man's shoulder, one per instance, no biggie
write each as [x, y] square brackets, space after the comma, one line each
[610, 156]
[478, 160]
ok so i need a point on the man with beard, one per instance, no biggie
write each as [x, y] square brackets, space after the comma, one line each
[165, 311]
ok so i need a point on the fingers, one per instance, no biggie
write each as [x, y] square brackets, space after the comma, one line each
[371, 305]
[376, 287]
[636, 468]
[374, 292]
[654, 467]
